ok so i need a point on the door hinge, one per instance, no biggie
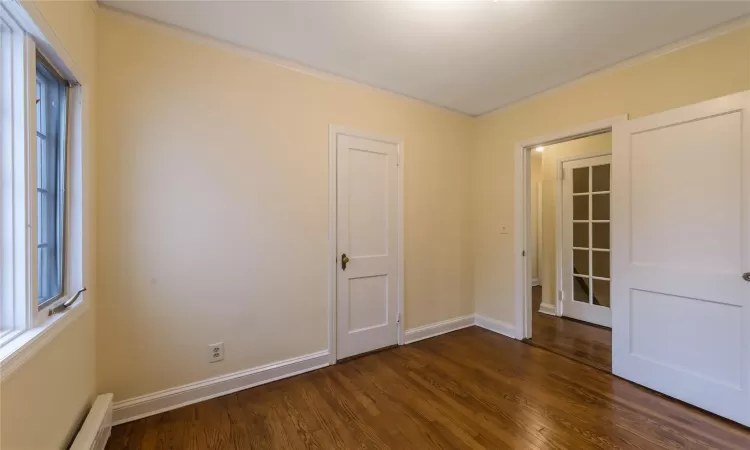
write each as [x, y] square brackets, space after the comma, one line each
[523, 253]
[398, 317]
[398, 158]
[561, 295]
[561, 174]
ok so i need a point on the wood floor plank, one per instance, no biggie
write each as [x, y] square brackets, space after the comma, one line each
[582, 342]
[469, 389]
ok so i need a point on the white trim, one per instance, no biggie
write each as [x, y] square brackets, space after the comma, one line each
[32, 21]
[438, 328]
[188, 394]
[521, 187]
[333, 131]
[497, 326]
[15, 353]
[17, 299]
[169, 399]
[546, 308]
[401, 239]
[97, 427]
[540, 232]
[332, 248]
[535, 281]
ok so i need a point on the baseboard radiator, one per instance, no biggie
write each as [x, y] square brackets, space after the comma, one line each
[97, 426]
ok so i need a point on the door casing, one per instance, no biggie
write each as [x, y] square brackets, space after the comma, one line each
[521, 214]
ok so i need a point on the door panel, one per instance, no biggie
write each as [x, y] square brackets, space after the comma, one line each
[367, 213]
[368, 203]
[368, 306]
[680, 312]
[702, 231]
[585, 240]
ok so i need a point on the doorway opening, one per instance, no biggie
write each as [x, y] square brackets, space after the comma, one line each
[566, 254]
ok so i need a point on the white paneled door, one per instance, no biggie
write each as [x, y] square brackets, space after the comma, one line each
[681, 254]
[367, 241]
[586, 240]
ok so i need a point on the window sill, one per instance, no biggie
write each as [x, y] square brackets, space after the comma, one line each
[24, 346]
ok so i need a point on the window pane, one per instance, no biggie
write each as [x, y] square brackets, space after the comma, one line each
[39, 162]
[581, 262]
[40, 208]
[580, 180]
[41, 264]
[581, 289]
[40, 116]
[7, 110]
[600, 264]
[581, 235]
[600, 235]
[600, 207]
[601, 293]
[50, 178]
[600, 178]
[581, 207]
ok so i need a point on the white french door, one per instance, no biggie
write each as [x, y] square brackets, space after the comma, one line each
[586, 240]
[367, 242]
[681, 254]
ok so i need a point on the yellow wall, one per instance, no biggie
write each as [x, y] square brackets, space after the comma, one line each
[45, 400]
[214, 206]
[588, 146]
[706, 70]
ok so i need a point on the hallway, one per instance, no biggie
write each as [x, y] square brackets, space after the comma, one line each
[585, 343]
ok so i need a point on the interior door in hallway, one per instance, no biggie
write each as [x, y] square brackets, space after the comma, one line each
[367, 242]
[586, 240]
[681, 254]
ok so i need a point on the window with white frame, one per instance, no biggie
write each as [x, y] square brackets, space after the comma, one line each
[51, 112]
[35, 100]
[7, 316]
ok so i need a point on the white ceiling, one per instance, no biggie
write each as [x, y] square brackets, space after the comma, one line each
[468, 56]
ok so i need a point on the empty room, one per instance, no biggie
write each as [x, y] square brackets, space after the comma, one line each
[193, 253]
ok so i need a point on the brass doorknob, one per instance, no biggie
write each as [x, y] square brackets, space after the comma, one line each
[344, 261]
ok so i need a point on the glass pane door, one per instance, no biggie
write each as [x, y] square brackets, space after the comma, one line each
[586, 246]
[591, 234]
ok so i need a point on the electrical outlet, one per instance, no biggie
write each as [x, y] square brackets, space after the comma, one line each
[216, 352]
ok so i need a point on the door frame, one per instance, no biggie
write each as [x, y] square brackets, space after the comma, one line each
[539, 227]
[333, 132]
[521, 213]
[559, 224]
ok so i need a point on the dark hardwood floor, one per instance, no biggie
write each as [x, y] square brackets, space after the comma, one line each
[469, 389]
[582, 342]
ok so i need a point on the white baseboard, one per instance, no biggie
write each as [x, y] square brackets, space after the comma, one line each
[438, 328]
[97, 427]
[535, 282]
[169, 399]
[150, 404]
[500, 327]
[546, 308]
